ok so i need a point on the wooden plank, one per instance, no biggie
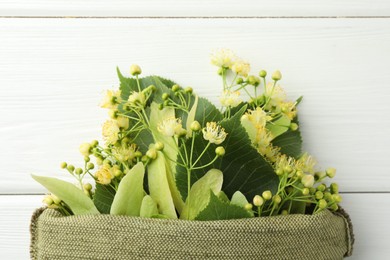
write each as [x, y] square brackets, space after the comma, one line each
[195, 8]
[53, 73]
[371, 226]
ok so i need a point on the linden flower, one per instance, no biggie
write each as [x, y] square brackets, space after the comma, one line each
[111, 99]
[258, 117]
[241, 68]
[85, 149]
[104, 175]
[137, 98]
[170, 127]
[230, 98]
[125, 153]
[223, 58]
[214, 133]
[122, 122]
[110, 131]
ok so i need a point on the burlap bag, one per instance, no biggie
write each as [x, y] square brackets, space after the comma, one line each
[322, 236]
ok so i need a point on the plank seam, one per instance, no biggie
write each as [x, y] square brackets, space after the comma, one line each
[195, 17]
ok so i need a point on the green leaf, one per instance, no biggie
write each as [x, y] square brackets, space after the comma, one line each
[191, 116]
[75, 198]
[128, 199]
[207, 112]
[279, 126]
[239, 199]
[219, 210]
[223, 197]
[103, 197]
[243, 168]
[159, 187]
[200, 193]
[290, 143]
[148, 207]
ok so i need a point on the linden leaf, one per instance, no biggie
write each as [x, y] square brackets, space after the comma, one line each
[103, 197]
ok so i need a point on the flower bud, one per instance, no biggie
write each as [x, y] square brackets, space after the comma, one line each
[334, 207]
[334, 188]
[87, 186]
[336, 198]
[308, 181]
[144, 158]
[321, 187]
[276, 199]
[79, 171]
[85, 149]
[319, 175]
[319, 195]
[160, 106]
[122, 122]
[258, 201]
[252, 80]
[284, 212]
[70, 168]
[267, 195]
[305, 191]
[86, 159]
[279, 172]
[195, 126]
[327, 196]
[331, 172]
[322, 204]
[159, 146]
[55, 199]
[220, 71]
[293, 126]
[263, 73]
[138, 154]
[113, 113]
[175, 88]
[135, 70]
[117, 173]
[239, 81]
[90, 166]
[220, 151]
[182, 133]
[86, 192]
[151, 153]
[277, 75]
[48, 200]
[165, 96]
[63, 165]
[248, 206]
[188, 90]
[94, 143]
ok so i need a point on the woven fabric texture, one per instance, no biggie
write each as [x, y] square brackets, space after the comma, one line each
[321, 236]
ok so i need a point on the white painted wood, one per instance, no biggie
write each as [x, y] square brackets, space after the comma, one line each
[194, 8]
[368, 212]
[53, 72]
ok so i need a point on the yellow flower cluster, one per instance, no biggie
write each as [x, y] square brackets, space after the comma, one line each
[226, 59]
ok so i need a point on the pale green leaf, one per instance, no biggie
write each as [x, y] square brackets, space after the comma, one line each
[103, 197]
[239, 199]
[191, 116]
[78, 202]
[128, 199]
[279, 126]
[159, 187]
[219, 210]
[148, 207]
[200, 193]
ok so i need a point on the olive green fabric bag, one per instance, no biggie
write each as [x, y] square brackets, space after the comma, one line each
[322, 236]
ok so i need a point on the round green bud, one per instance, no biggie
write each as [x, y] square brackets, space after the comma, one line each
[144, 159]
[107, 162]
[319, 175]
[331, 172]
[48, 200]
[117, 173]
[239, 81]
[151, 153]
[263, 73]
[257, 81]
[279, 172]
[284, 212]
[327, 196]
[220, 151]
[220, 71]
[79, 171]
[334, 207]
[267, 195]
[138, 154]
[90, 166]
[319, 195]
[166, 103]
[87, 186]
[248, 206]
[336, 198]
[321, 187]
[175, 88]
[308, 181]
[334, 188]
[152, 88]
[195, 126]
[135, 70]
[188, 90]
[294, 126]
[277, 75]
[86, 192]
[252, 80]
[159, 146]
[322, 204]
[63, 165]
[70, 168]
[165, 96]
[258, 201]
[182, 133]
[312, 190]
[86, 159]
[288, 169]
[160, 106]
[305, 191]
[276, 199]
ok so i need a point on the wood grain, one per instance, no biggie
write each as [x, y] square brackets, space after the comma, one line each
[195, 8]
[371, 227]
[53, 72]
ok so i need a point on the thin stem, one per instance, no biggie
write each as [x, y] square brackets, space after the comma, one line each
[207, 146]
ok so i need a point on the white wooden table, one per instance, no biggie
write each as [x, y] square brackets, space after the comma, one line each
[56, 58]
